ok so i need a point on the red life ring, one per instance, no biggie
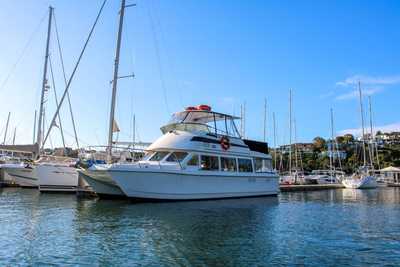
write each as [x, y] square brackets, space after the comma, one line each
[225, 143]
[204, 107]
[190, 108]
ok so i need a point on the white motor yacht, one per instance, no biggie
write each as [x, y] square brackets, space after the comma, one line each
[200, 156]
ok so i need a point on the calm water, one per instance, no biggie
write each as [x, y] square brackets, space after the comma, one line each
[326, 228]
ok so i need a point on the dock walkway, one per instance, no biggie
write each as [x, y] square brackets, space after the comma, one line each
[311, 187]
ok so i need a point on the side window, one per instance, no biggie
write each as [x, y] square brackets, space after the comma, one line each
[176, 157]
[267, 164]
[245, 165]
[258, 164]
[228, 164]
[158, 156]
[262, 165]
[194, 161]
[209, 163]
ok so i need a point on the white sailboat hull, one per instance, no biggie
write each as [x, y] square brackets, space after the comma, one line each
[57, 178]
[101, 183]
[4, 176]
[23, 176]
[170, 185]
[365, 182]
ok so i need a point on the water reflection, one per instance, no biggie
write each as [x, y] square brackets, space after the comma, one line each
[337, 227]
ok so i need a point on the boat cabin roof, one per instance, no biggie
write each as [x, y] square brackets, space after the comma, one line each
[200, 116]
[203, 120]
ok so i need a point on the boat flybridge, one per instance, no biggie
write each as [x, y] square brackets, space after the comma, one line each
[200, 155]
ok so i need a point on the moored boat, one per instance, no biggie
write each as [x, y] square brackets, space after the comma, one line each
[195, 159]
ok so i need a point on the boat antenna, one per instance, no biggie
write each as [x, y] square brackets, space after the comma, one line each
[44, 82]
[362, 124]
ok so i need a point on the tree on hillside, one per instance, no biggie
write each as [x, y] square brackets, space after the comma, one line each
[339, 140]
[319, 144]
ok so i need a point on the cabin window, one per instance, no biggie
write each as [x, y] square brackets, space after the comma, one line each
[194, 160]
[228, 164]
[177, 156]
[209, 163]
[158, 156]
[148, 155]
[245, 165]
[262, 165]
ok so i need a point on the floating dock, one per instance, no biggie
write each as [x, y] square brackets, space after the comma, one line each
[310, 187]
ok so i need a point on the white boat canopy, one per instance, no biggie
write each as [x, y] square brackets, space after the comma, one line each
[203, 120]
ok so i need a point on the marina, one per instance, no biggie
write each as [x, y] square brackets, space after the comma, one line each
[161, 138]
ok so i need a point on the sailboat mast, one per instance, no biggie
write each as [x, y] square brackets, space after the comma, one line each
[34, 127]
[362, 124]
[44, 82]
[15, 133]
[332, 149]
[290, 131]
[115, 78]
[371, 136]
[134, 132]
[275, 150]
[5, 133]
[265, 119]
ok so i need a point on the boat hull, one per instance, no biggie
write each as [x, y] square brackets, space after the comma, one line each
[161, 185]
[101, 183]
[366, 182]
[23, 176]
[57, 178]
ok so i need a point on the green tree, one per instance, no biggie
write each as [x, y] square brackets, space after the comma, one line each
[319, 144]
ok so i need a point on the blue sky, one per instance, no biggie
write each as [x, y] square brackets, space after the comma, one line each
[222, 53]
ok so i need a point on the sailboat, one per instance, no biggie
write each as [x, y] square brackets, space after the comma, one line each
[364, 177]
[48, 173]
[294, 175]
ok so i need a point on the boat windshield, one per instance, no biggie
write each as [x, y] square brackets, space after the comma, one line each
[203, 121]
